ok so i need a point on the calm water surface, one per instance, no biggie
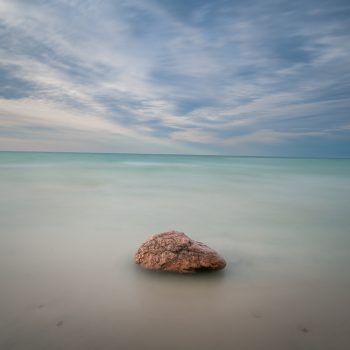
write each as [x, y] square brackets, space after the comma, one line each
[70, 224]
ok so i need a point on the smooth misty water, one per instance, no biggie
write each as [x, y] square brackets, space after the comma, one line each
[70, 224]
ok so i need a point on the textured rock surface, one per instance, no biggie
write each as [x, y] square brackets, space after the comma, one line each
[175, 252]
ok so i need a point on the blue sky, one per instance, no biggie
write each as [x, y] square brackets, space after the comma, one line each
[176, 76]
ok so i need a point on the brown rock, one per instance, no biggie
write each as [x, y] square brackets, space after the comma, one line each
[175, 252]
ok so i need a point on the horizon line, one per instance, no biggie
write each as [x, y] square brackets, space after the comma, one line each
[179, 154]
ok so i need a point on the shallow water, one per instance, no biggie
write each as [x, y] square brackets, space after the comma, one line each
[70, 224]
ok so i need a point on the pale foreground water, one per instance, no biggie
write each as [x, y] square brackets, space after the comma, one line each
[70, 224]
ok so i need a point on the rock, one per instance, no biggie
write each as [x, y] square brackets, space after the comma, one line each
[175, 252]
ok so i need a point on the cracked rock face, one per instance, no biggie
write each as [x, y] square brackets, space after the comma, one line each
[175, 252]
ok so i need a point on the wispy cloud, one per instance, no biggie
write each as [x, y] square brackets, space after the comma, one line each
[173, 76]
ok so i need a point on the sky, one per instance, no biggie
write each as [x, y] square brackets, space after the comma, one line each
[265, 78]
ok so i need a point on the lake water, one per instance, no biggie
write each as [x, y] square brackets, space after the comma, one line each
[71, 223]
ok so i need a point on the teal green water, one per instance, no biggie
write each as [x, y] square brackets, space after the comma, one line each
[70, 224]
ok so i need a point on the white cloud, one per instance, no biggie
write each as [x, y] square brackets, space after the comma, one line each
[32, 112]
